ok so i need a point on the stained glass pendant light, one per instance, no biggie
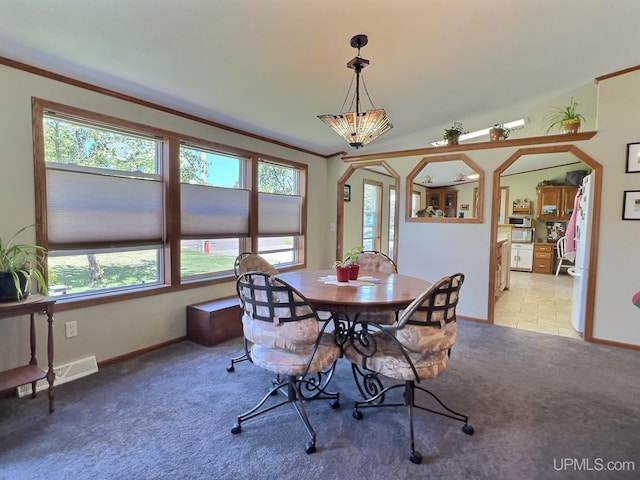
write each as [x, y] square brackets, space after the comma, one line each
[357, 127]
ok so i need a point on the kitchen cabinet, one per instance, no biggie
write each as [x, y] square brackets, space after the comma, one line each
[522, 256]
[445, 200]
[543, 258]
[555, 202]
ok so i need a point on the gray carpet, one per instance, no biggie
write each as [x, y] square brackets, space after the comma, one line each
[542, 406]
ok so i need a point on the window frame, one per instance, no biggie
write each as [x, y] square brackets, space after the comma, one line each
[169, 168]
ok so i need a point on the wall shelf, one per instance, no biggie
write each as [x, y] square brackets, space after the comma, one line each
[515, 142]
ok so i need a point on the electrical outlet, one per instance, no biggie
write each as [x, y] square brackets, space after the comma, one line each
[71, 329]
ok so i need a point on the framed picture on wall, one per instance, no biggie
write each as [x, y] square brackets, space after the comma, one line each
[631, 205]
[633, 157]
[347, 193]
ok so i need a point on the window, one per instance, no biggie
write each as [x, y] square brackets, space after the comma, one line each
[416, 202]
[104, 203]
[280, 212]
[128, 208]
[214, 211]
[392, 220]
[371, 215]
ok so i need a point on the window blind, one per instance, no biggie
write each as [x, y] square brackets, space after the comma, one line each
[210, 212]
[84, 207]
[279, 214]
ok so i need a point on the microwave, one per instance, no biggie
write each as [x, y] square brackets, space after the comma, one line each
[524, 222]
[522, 235]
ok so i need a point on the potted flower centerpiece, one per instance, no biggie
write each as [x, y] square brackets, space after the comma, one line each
[452, 133]
[566, 119]
[499, 132]
[348, 268]
[19, 263]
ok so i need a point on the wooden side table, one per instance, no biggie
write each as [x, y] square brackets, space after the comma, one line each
[31, 373]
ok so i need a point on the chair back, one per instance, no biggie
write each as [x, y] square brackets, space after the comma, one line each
[561, 245]
[252, 262]
[236, 264]
[275, 314]
[373, 261]
[429, 323]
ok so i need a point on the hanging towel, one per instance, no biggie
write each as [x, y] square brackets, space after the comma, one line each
[570, 248]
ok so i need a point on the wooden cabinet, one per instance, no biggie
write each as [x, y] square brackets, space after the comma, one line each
[555, 202]
[543, 258]
[445, 200]
[522, 256]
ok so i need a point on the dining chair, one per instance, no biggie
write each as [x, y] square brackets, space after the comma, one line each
[245, 262]
[563, 261]
[286, 337]
[416, 348]
[374, 261]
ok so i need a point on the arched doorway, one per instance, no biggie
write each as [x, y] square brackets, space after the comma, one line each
[390, 222]
[593, 240]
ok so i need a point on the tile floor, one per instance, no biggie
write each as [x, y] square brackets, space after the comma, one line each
[537, 302]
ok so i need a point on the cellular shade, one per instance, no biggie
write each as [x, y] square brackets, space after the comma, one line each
[210, 212]
[279, 214]
[86, 207]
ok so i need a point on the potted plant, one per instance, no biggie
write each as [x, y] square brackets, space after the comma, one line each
[18, 264]
[348, 268]
[499, 132]
[343, 270]
[452, 133]
[352, 257]
[566, 119]
[430, 212]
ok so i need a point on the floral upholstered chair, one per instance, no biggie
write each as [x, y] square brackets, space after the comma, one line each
[246, 262]
[373, 261]
[286, 338]
[416, 348]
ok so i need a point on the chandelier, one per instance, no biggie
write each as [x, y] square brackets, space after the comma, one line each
[357, 127]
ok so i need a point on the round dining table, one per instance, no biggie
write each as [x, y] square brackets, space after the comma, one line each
[373, 292]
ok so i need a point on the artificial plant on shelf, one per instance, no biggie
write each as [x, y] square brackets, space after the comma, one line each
[499, 132]
[19, 263]
[452, 133]
[565, 119]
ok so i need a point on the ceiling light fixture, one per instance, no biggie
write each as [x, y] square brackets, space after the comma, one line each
[358, 128]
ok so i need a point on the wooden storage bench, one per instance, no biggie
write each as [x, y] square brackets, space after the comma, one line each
[213, 322]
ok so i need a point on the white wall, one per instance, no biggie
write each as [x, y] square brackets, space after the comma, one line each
[113, 329]
[618, 276]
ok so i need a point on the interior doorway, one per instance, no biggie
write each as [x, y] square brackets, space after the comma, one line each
[352, 225]
[536, 301]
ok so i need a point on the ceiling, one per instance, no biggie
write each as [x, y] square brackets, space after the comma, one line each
[270, 67]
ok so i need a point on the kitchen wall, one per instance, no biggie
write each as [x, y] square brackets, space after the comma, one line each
[114, 329]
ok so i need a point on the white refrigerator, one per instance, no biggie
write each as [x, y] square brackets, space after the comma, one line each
[581, 270]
